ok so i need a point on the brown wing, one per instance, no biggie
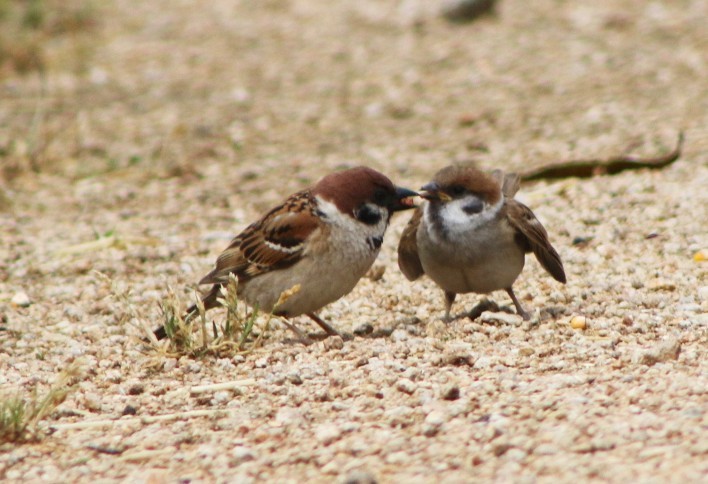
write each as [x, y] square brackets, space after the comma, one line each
[274, 242]
[527, 225]
[408, 259]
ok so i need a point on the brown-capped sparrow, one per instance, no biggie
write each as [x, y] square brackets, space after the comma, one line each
[323, 239]
[470, 235]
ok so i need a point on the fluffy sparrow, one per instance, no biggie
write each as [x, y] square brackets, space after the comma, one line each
[323, 238]
[470, 235]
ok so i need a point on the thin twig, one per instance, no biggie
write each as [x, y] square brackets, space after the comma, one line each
[139, 420]
[610, 166]
[216, 387]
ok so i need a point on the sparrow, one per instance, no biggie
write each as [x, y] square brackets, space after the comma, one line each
[470, 235]
[324, 238]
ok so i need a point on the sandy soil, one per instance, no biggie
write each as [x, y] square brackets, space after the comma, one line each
[180, 122]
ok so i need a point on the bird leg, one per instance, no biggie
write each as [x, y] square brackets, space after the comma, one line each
[304, 339]
[449, 299]
[517, 304]
[328, 329]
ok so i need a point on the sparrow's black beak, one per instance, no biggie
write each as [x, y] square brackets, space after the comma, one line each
[431, 191]
[404, 199]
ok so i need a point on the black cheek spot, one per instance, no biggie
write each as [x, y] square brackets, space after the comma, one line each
[473, 207]
[368, 216]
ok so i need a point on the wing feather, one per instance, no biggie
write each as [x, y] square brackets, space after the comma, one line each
[527, 225]
[408, 259]
[274, 242]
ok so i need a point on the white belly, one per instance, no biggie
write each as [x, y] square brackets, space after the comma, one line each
[484, 260]
[322, 280]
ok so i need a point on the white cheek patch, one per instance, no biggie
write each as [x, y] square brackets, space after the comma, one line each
[457, 220]
[350, 224]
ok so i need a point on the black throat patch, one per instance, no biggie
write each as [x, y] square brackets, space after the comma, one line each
[374, 242]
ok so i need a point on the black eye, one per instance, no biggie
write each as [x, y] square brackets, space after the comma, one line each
[368, 215]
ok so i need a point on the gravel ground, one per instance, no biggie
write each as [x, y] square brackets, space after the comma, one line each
[171, 131]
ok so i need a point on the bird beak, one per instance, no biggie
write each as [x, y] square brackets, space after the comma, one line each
[404, 199]
[432, 191]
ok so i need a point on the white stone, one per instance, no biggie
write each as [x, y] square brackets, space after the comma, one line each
[21, 299]
[327, 433]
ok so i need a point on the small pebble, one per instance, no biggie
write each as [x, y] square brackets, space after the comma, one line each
[501, 318]
[466, 10]
[359, 477]
[363, 329]
[406, 386]
[703, 293]
[136, 389]
[92, 402]
[334, 343]
[327, 433]
[222, 397]
[451, 392]
[129, 410]
[20, 299]
[242, 454]
[169, 364]
[662, 352]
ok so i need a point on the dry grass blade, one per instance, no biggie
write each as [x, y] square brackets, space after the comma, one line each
[20, 418]
[234, 336]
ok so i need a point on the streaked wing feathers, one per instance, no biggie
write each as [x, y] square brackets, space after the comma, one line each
[525, 222]
[274, 242]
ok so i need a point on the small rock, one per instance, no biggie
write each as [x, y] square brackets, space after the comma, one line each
[526, 351]
[399, 335]
[406, 386]
[92, 402]
[661, 284]
[433, 422]
[436, 417]
[664, 351]
[136, 389]
[334, 343]
[21, 299]
[703, 293]
[327, 433]
[466, 10]
[359, 477]
[222, 397]
[501, 448]
[450, 392]
[242, 454]
[294, 378]
[501, 318]
[129, 410]
[578, 322]
[458, 354]
[169, 364]
[363, 329]
[482, 363]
